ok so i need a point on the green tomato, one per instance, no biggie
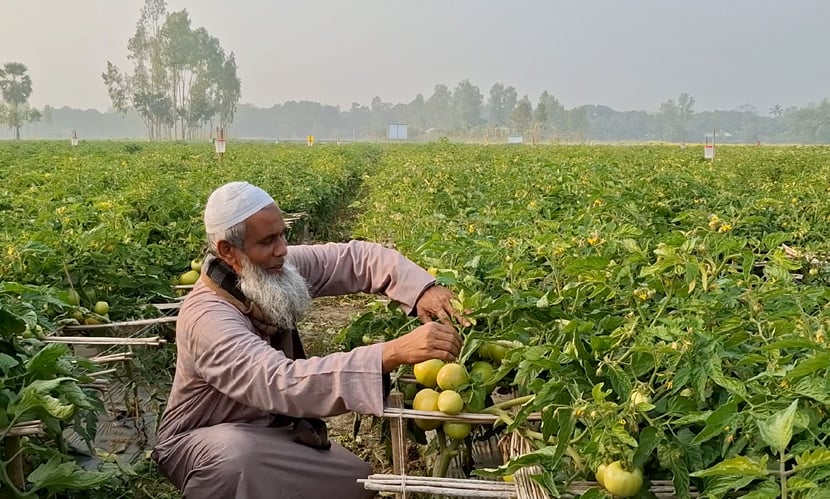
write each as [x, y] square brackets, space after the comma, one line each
[101, 308]
[196, 264]
[457, 431]
[73, 298]
[481, 370]
[620, 482]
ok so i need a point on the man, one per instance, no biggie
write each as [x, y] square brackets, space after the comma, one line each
[241, 419]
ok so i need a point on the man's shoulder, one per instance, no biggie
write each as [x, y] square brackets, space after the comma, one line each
[203, 300]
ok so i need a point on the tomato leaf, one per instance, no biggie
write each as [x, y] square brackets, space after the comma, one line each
[807, 460]
[55, 477]
[649, 437]
[809, 365]
[716, 421]
[777, 430]
[738, 466]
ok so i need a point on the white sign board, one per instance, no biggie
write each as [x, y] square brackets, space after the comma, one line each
[709, 152]
[220, 146]
[515, 139]
[396, 131]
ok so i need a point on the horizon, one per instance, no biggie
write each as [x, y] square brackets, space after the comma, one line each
[629, 57]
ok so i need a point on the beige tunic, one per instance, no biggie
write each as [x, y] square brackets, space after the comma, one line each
[214, 441]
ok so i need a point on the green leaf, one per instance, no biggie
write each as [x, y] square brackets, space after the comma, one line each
[56, 477]
[816, 458]
[567, 423]
[648, 442]
[599, 394]
[796, 483]
[733, 385]
[716, 422]
[777, 430]
[768, 489]
[736, 466]
[809, 365]
[54, 407]
[814, 389]
[32, 395]
[44, 363]
[10, 324]
[7, 362]
[720, 485]
[594, 493]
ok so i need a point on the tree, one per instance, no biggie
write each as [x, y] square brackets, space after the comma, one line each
[675, 117]
[16, 87]
[776, 111]
[522, 115]
[501, 103]
[467, 103]
[438, 107]
[182, 79]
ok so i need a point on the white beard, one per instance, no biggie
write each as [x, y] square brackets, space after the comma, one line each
[283, 297]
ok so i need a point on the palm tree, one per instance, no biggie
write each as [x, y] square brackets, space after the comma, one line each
[776, 111]
[16, 87]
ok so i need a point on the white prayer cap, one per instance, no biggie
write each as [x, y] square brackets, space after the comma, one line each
[233, 203]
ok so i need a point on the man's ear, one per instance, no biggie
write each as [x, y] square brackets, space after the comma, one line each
[230, 254]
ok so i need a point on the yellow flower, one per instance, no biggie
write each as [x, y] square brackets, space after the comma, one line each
[725, 228]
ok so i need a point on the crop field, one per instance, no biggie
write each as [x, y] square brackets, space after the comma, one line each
[663, 316]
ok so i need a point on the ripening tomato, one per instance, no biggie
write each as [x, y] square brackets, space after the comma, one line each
[620, 482]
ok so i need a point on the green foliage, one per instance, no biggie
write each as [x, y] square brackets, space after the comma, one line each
[42, 382]
[640, 270]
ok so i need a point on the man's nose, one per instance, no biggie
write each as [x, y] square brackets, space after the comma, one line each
[281, 248]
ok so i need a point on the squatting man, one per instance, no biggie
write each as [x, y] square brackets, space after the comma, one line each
[242, 419]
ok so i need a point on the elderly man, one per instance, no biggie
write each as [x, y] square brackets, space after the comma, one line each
[241, 420]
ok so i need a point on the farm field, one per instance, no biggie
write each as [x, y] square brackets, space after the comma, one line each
[659, 310]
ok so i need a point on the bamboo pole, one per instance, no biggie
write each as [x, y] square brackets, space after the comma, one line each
[453, 487]
[112, 325]
[115, 357]
[101, 340]
[34, 427]
[398, 435]
[14, 468]
[462, 417]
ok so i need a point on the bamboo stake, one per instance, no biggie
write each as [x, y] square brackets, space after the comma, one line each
[14, 468]
[463, 417]
[100, 340]
[398, 437]
[111, 325]
[116, 357]
[34, 427]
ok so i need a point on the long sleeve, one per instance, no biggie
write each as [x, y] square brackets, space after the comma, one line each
[357, 266]
[244, 367]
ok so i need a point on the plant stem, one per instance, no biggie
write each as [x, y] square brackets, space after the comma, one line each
[507, 404]
[783, 472]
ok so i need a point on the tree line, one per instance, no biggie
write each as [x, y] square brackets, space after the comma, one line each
[674, 121]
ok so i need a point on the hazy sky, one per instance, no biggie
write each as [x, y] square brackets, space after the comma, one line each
[627, 54]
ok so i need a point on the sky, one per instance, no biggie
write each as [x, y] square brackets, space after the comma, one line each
[626, 54]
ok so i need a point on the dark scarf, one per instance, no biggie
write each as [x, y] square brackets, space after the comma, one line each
[223, 280]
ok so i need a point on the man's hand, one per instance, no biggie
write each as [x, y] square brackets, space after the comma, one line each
[430, 341]
[436, 303]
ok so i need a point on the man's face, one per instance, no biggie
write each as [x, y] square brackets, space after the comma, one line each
[265, 244]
